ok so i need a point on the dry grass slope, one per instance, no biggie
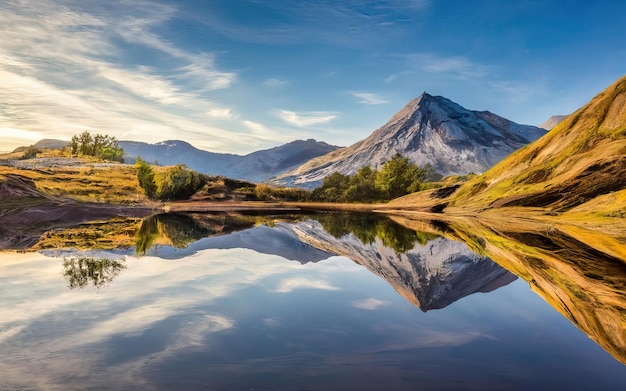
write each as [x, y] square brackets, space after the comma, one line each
[581, 158]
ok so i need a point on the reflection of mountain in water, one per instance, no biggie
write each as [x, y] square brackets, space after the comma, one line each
[429, 271]
[431, 275]
[278, 240]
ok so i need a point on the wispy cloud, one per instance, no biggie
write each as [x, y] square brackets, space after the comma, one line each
[221, 113]
[346, 23]
[369, 98]
[308, 118]
[274, 83]
[77, 69]
[519, 91]
[255, 126]
[456, 66]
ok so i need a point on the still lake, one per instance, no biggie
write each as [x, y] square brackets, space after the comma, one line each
[318, 302]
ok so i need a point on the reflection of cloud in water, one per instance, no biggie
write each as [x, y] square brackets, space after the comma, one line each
[290, 284]
[272, 322]
[369, 304]
[151, 291]
[429, 337]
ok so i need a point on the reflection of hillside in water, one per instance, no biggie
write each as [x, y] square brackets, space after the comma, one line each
[430, 271]
[581, 273]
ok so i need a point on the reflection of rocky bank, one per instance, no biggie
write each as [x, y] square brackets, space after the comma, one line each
[431, 276]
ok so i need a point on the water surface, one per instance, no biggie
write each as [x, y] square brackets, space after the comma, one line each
[306, 303]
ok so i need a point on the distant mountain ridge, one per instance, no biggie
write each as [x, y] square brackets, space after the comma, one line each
[552, 122]
[428, 130]
[256, 166]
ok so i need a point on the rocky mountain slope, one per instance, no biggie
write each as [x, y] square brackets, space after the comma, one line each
[428, 130]
[256, 166]
[552, 122]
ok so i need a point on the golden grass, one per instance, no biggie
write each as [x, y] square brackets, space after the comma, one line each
[104, 235]
[595, 133]
[116, 184]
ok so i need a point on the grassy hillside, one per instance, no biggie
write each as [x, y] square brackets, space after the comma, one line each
[580, 159]
[115, 183]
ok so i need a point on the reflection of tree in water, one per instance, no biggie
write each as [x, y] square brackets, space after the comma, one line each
[81, 271]
[147, 234]
[180, 230]
[368, 227]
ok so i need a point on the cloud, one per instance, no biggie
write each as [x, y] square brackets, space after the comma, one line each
[390, 78]
[274, 83]
[221, 113]
[77, 69]
[456, 66]
[369, 98]
[519, 91]
[255, 126]
[306, 118]
[290, 284]
[369, 304]
[348, 23]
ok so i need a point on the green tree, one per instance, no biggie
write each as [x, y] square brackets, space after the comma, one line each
[98, 145]
[398, 177]
[362, 187]
[333, 188]
[177, 182]
[145, 176]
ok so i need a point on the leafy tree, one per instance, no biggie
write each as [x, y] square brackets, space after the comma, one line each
[177, 182]
[333, 188]
[145, 175]
[363, 186]
[398, 177]
[98, 145]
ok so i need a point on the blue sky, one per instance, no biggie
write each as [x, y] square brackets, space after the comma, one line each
[242, 75]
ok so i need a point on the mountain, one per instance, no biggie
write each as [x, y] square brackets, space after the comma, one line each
[256, 166]
[428, 130]
[172, 152]
[580, 164]
[552, 122]
[51, 143]
[430, 276]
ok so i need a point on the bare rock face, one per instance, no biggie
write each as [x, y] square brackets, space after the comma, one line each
[428, 130]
